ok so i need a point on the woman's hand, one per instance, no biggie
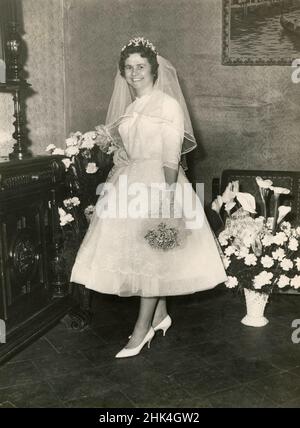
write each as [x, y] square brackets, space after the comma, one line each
[120, 157]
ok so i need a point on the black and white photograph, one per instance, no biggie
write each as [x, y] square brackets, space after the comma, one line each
[149, 206]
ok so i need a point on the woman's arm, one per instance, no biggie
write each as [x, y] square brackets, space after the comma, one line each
[170, 175]
[172, 142]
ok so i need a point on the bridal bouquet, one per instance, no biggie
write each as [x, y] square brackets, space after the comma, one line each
[83, 145]
[163, 237]
[105, 141]
[261, 253]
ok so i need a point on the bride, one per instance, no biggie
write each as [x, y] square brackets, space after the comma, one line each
[148, 114]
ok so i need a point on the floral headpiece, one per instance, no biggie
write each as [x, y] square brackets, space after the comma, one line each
[140, 41]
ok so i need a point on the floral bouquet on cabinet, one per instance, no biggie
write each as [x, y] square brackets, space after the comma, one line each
[87, 162]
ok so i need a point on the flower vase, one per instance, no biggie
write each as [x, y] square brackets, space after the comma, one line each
[255, 303]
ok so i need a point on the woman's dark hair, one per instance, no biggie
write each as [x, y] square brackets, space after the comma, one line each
[145, 52]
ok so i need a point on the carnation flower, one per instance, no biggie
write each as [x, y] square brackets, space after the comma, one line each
[88, 140]
[75, 201]
[283, 281]
[72, 140]
[278, 254]
[295, 282]
[64, 217]
[243, 252]
[230, 250]
[286, 264]
[231, 282]
[223, 238]
[250, 260]
[91, 168]
[267, 240]
[71, 202]
[58, 151]
[263, 278]
[71, 151]
[267, 261]
[280, 238]
[68, 218]
[293, 244]
[285, 226]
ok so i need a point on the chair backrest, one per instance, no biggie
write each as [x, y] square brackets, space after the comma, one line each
[247, 180]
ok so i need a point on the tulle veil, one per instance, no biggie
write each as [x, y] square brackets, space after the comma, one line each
[166, 82]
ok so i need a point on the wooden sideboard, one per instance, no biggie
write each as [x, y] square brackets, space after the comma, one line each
[34, 288]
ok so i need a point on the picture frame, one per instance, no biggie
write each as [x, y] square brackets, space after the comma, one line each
[260, 32]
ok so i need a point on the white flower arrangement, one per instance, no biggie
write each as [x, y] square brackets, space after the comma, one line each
[64, 217]
[78, 143]
[260, 253]
[91, 168]
[81, 149]
[71, 202]
[69, 215]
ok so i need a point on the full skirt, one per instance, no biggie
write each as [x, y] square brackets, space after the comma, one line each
[115, 258]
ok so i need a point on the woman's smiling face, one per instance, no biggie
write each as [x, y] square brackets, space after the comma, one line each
[138, 73]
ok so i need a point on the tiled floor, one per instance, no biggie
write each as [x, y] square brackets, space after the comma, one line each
[207, 359]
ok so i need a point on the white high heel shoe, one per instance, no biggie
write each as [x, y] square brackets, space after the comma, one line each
[164, 325]
[127, 352]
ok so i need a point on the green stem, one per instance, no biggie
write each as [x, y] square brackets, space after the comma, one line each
[275, 214]
[265, 210]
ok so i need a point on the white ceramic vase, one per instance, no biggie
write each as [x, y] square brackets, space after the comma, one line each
[255, 303]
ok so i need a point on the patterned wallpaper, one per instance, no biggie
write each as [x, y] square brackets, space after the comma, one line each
[6, 126]
[243, 117]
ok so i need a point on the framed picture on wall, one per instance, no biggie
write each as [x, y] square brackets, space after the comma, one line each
[261, 32]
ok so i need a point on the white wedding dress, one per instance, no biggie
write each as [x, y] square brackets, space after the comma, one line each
[114, 256]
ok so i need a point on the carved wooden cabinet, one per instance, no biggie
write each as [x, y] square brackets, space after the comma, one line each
[34, 290]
